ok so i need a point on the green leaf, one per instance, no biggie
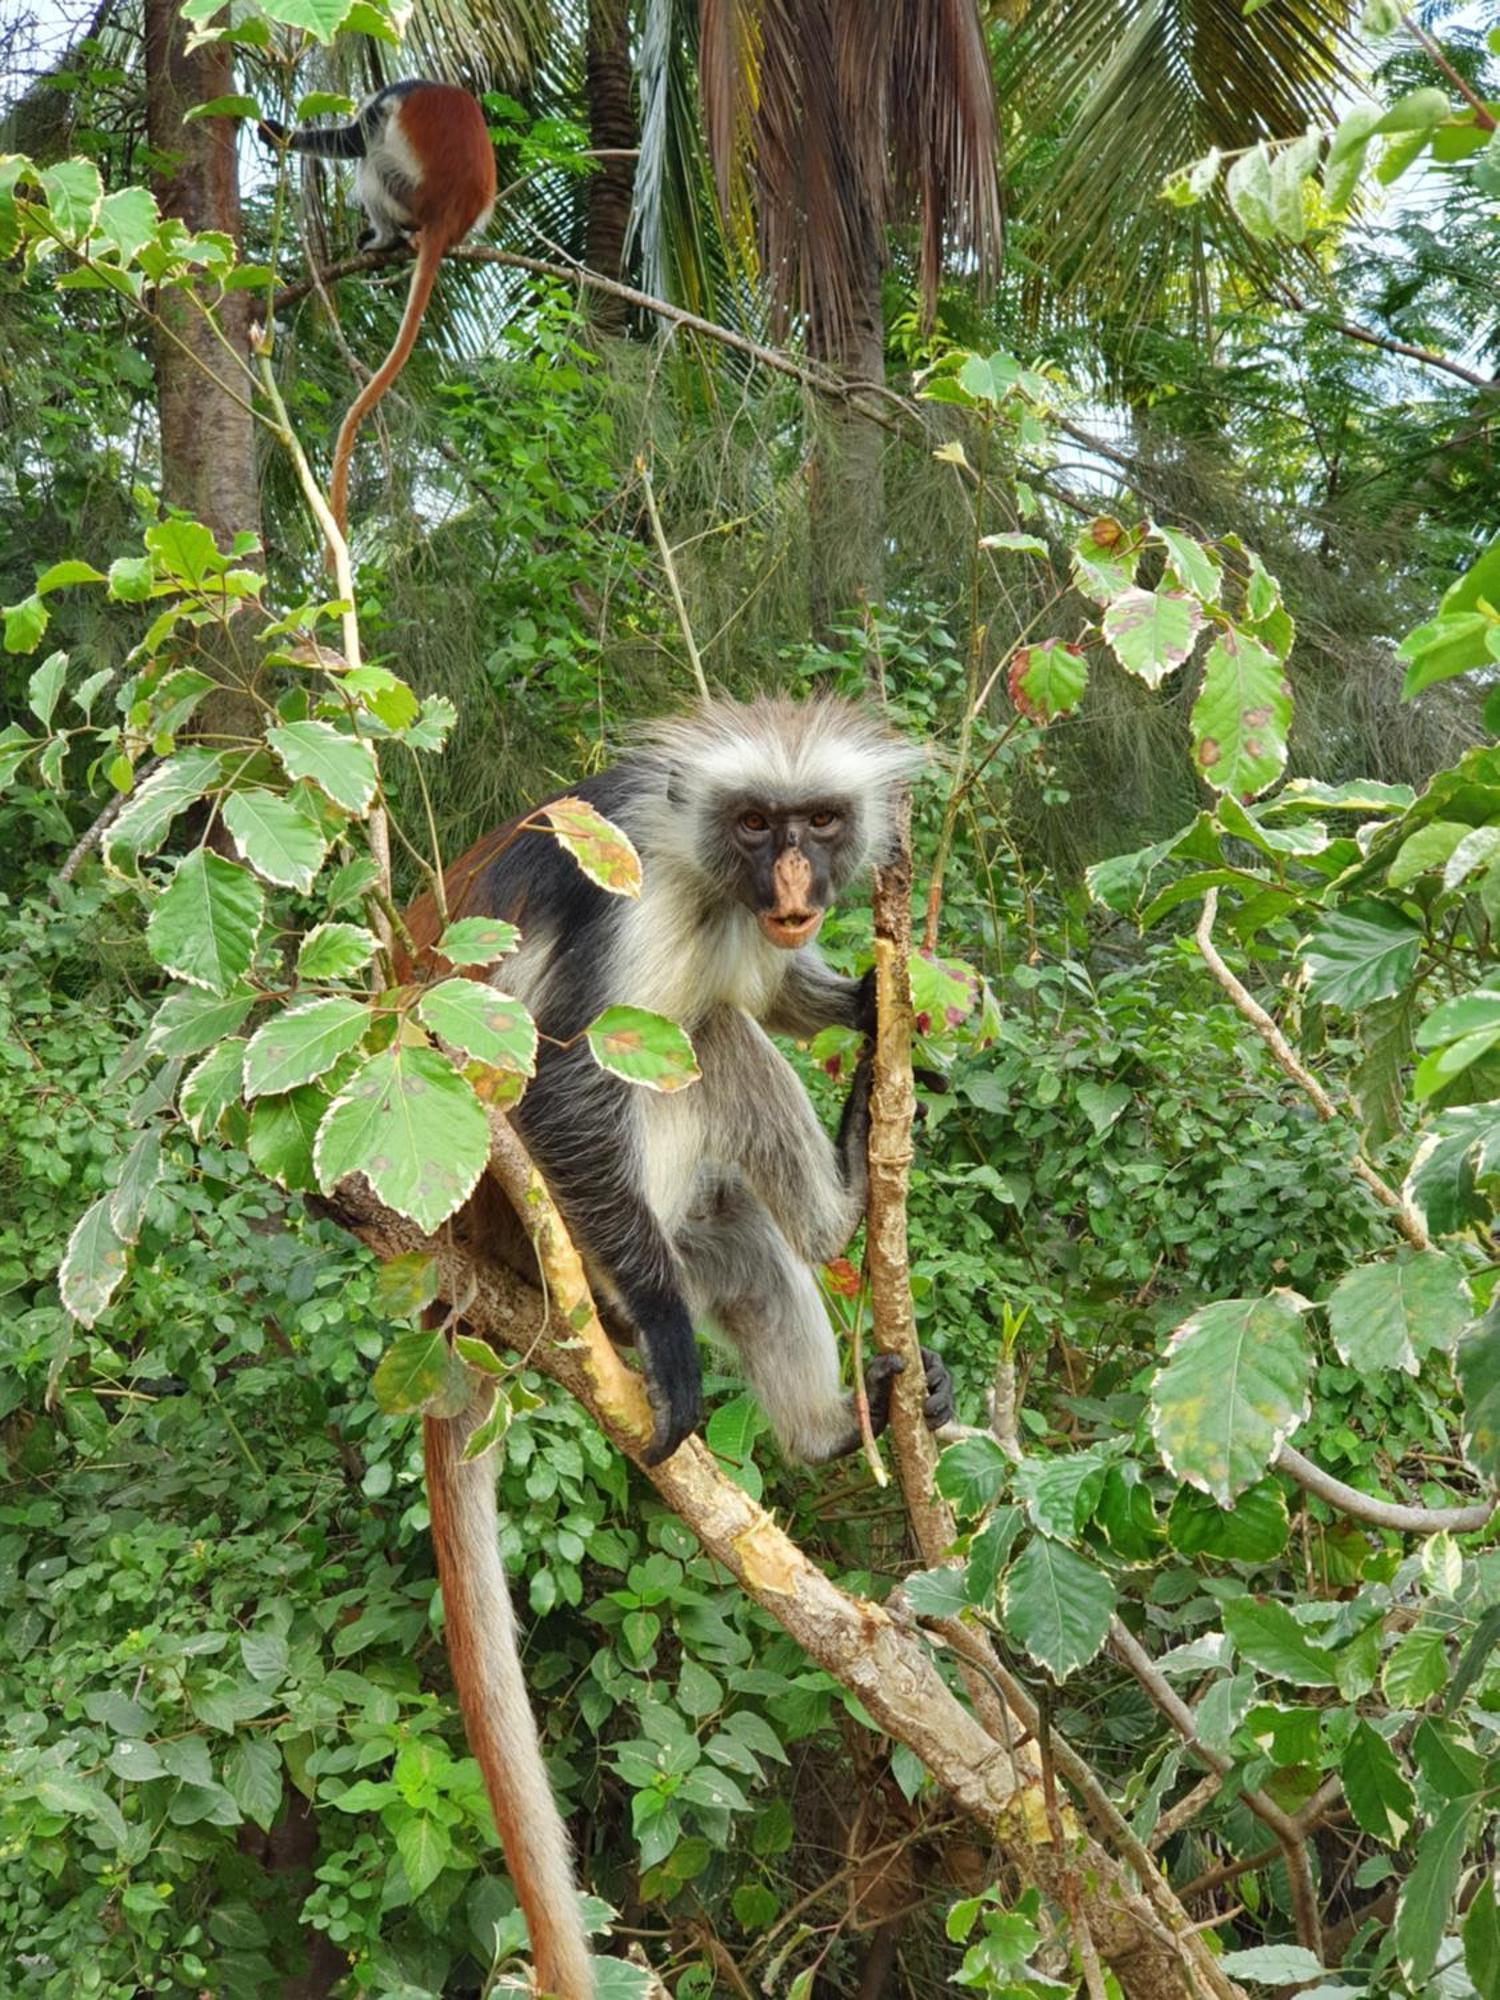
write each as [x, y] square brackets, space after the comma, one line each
[1016, 544]
[342, 766]
[411, 1371]
[413, 1127]
[1453, 643]
[1105, 558]
[1231, 1389]
[138, 1175]
[1361, 952]
[24, 624]
[1272, 1965]
[1418, 111]
[601, 850]
[1240, 720]
[1416, 1668]
[642, 1048]
[1482, 1940]
[1378, 1794]
[477, 941]
[334, 951]
[211, 1088]
[62, 1792]
[185, 551]
[282, 1134]
[1195, 567]
[1388, 1315]
[1429, 847]
[1455, 1167]
[425, 1849]
[1427, 1895]
[203, 929]
[45, 686]
[1253, 1530]
[322, 20]
[1060, 1494]
[188, 1021]
[1102, 1103]
[389, 699]
[1047, 680]
[937, 1593]
[972, 1474]
[74, 192]
[1477, 1365]
[252, 1778]
[1152, 632]
[128, 220]
[1476, 850]
[1269, 1637]
[279, 842]
[147, 819]
[137, 1763]
[223, 107]
[131, 579]
[1057, 1605]
[1248, 188]
[93, 1265]
[484, 1024]
[15, 747]
[301, 1043]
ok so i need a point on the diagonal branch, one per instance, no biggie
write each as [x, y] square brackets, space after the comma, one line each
[885, 1663]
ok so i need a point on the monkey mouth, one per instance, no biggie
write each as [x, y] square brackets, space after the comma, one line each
[789, 928]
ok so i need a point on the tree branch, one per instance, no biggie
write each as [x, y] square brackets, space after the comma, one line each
[1378, 1513]
[1403, 1215]
[886, 1665]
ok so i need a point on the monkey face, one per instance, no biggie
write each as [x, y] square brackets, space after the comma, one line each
[787, 864]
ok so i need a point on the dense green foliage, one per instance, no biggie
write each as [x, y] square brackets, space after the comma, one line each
[230, 1761]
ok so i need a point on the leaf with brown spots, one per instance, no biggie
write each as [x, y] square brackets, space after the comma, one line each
[1241, 717]
[603, 853]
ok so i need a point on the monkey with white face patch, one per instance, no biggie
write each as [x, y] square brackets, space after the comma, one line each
[714, 1204]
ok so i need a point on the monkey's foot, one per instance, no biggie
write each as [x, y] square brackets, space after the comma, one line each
[676, 1412]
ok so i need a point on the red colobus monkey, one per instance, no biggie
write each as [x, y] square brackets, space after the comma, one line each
[713, 1205]
[426, 170]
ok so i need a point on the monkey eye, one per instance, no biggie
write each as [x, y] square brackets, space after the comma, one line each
[754, 822]
[823, 820]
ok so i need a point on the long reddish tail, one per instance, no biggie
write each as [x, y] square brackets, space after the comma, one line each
[496, 1710]
[430, 248]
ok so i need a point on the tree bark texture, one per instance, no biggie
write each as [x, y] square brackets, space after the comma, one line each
[846, 500]
[609, 92]
[884, 1661]
[208, 460]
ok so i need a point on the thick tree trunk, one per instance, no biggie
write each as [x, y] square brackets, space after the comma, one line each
[846, 512]
[203, 395]
[612, 129]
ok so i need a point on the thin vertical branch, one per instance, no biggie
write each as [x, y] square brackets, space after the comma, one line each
[664, 549]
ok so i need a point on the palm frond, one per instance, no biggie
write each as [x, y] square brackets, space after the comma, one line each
[1106, 97]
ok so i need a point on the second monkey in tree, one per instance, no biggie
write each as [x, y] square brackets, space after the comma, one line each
[427, 172]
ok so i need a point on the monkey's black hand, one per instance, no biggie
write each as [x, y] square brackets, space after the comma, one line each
[676, 1412]
[938, 1407]
[273, 133]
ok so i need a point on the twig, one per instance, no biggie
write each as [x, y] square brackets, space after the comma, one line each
[1186, 1810]
[1131, 1654]
[1484, 118]
[1368, 337]
[1403, 1215]
[1378, 1513]
[377, 827]
[91, 836]
[664, 549]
